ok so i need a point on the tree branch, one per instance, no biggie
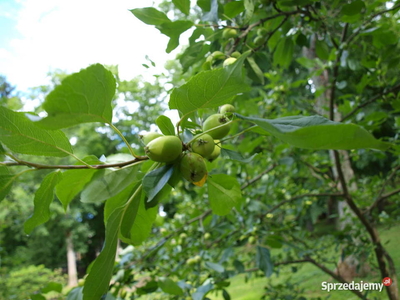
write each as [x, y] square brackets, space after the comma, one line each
[358, 30]
[382, 196]
[378, 247]
[258, 177]
[72, 167]
[396, 88]
[337, 277]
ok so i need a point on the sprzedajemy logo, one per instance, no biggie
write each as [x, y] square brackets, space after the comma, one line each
[359, 286]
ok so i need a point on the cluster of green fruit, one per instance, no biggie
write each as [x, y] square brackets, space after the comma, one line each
[217, 56]
[191, 157]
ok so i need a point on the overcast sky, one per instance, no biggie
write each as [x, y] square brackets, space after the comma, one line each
[37, 36]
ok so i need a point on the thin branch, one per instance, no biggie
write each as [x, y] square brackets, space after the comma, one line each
[390, 194]
[258, 177]
[373, 233]
[358, 30]
[337, 277]
[381, 196]
[72, 167]
[282, 263]
[396, 88]
[308, 259]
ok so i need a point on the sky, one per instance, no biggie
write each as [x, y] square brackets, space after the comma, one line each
[38, 36]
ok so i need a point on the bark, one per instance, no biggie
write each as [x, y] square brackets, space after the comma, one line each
[71, 259]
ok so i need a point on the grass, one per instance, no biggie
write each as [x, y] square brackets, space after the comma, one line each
[310, 278]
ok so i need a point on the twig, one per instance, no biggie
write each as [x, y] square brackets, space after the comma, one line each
[357, 31]
[381, 197]
[258, 177]
[71, 167]
[373, 99]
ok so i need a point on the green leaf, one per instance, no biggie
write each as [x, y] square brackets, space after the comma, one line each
[284, 52]
[232, 9]
[97, 282]
[223, 193]
[43, 198]
[256, 69]
[202, 291]
[302, 40]
[263, 261]
[213, 266]
[82, 97]
[21, 135]
[6, 181]
[52, 286]
[149, 287]
[169, 286]
[210, 89]
[37, 297]
[173, 30]
[249, 6]
[155, 180]
[75, 294]
[193, 54]
[316, 132]
[274, 241]
[2, 150]
[237, 156]
[226, 295]
[119, 200]
[322, 49]
[110, 185]
[144, 220]
[150, 15]
[306, 62]
[165, 125]
[182, 5]
[73, 181]
[130, 213]
[353, 8]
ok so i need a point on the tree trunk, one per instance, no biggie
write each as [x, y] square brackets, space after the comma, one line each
[347, 267]
[71, 259]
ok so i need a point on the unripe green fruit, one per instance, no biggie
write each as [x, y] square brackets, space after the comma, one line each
[215, 121]
[203, 145]
[236, 54]
[229, 33]
[218, 55]
[216, 152]
[252, 240]
[229, 61]
[193, 167]
[148, 137]
[197, 258]
[191, 261]
[164, 149]
[227, 109]
[207, 235]
[262, 32]
[259, 40]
